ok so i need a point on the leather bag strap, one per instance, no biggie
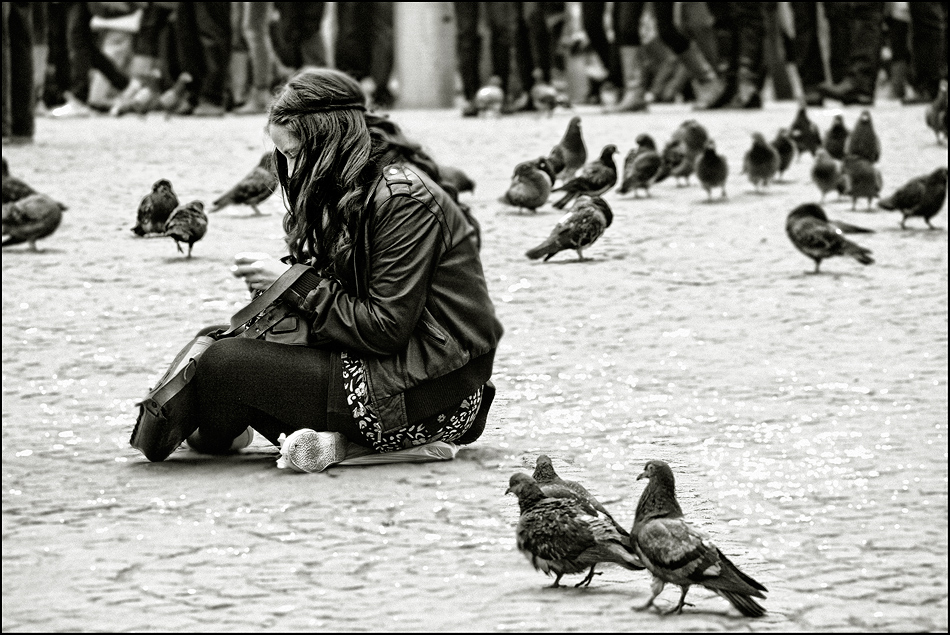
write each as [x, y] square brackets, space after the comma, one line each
[271, 295]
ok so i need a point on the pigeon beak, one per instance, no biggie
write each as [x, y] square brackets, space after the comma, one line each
[507, 491]
[643, 475]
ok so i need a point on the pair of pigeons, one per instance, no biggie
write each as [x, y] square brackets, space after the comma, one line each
[28, 215]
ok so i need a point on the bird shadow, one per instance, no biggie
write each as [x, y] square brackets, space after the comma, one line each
[171, 260]
[835, 275]
[7, 251]
[719, 200]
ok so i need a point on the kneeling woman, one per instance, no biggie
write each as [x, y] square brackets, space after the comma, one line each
[403, 332]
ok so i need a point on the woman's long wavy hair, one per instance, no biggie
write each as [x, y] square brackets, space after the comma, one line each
[342, 153]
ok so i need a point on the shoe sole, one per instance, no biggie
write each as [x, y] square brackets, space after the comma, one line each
[312, 451]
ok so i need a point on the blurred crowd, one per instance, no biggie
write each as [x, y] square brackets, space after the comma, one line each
[209, 58]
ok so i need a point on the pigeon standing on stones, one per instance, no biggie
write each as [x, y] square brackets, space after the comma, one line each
[254, 188]
[570, 153]
[13, 188]
[676, 552]
[641, 167]
[836, 137]
[30, 218]
[712, 170]
[155, 208]
[805, 133]
[694, 137]
[863, 140]
[786, 149]
[812, 234]
[530, 185]
[921, 196]
[188, 223]
[936, 114]
[825, 172]
[490, 97]
[578, 229]
[543, 95]
[761, 161]
[861, 179]
[594, 178]
[558, 536]
[676, 162]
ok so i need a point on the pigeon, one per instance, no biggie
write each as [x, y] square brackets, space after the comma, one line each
[761, 161]
[558, 536]
[544, 96]
[836, 137]
[712, 169]
[155, 208]
[490, 97]
[530, 185]
[694, 137]
[825, 172]
[570, 153]
[172, 99]
[30, 218]
[786, 149]
[12, 187]
[863, 141]
[553, 485]
[456, 178]
[676, 162]
[578, 229]
[188, 223]
[921, 196]
[805, 133]
[594, 178]
[254, 188]
[936, 113]
[812, 234]
[641, 167]
[676, 552]
[861, 179]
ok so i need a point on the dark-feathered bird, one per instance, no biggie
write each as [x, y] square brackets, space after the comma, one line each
[936, 113]
[570, 153]
[863, 140]
[836, 137]
[558, 536]
[693, 135]
[594, 178]
[786, 149]
[530, 184]
[921, 196]
[155, 208]
[825, 172]
[712, 170]
[678, 553]
[12, 187]
[812, 234]
[30, 218]
[676, 162]
[544, 96]
[188, 223]
[760, 162]
[861, 179]
[578, 229]
[556, 487]
[641, 167]
[805, 133]
[254, 188]
[456, 178]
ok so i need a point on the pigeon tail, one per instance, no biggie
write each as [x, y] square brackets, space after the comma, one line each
[547, 249]
[859, 253]
[743, 603]
[887, 203]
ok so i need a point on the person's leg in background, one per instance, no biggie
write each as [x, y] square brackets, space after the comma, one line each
[254, 26]
[313, 51]
[238, 84]
[928, 23]
[18, 92]
[533, 49]
[592, 17]
[627, 39]
[707, 87]
[39, 14]
[864, 55]
[213, 21]
[750, 74]
[382, 52]
[727, 45]
[897, 19]
[351, 53]
[807, 51]
[502, 24]
[468, 46]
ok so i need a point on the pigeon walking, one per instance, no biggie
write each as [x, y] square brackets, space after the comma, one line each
[254, 188]
[936, 113]
[578, 229]
[676, 162]
[836, 137]
[13, 188]
[155, 208]
[530, 185]
[641, 166]
[805, 133]
[594, 178]
[675, 552]
[812, 234]
[761, 161]
[570, 153]
[921, 196]
[558, 536]
[861, 179]
[188, 223]
[712, 170]
[863, 140]
[825, 172]
[31, 218]
[694, 137]
[786, 149]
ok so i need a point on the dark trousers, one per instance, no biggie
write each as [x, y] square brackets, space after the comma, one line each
[928, 24]
[807, 52]
[85, 54]
[856, 31]
[18, 93]
[203, 40]
[532, 43]
[740, 36]
[592, 17]
[296, 36]
[501, 26]
[365, 45]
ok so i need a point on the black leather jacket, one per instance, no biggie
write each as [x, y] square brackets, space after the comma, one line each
[416, 307]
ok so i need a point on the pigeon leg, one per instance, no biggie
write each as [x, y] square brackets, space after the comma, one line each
[817, 264]
[903, 220]
[927, 220]
[656, 587]
[254, 207]
[709, 195]
[724, 195]
[679, 607]
[557, 581]
[580, 255]
[586, 581]
[854, 204]
[189, 250]
[33, 247]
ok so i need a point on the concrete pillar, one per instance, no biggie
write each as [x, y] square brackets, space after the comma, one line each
[425, 54]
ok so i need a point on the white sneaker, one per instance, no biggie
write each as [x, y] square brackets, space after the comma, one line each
[311, 451]
[71, 109]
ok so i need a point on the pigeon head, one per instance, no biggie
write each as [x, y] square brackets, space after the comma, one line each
[802, 116]
[938, 176]
[545, 165]
[575, 122]
[526, 489]
[162, 184]
[544, 469]
[646, 141]
[838, 120]
[659, 496]
[865, 116]
[608, 152]
[710, 146]
[656, 468]
[600, 204]
[808, 210]
[758, 138]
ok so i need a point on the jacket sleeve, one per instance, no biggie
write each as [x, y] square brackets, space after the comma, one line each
[406, 247]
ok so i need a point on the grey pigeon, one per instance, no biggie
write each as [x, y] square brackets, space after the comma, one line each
[188, 223]
[530, 185]
[675, 552]
[31, 218]
[863, 140]
[825, 172]
[786, 149]
[558, 536]
[676, 162]
[836, 136]
[254, 188]
[936, 113]
[712, 170]
[760, 162]
[490, 97]
[594, 178]
[861, 179]
[578, 229]
[570, 153]
[812, 234]
[13, 188]
[544, 96]
[693, 135]
[641, 166]
[805, 133]
[155, 208]
[456, 178]
[921, 196]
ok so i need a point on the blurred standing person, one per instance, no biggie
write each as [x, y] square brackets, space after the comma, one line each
[595, 32]
[203, 42]
[533, 49]
[501, 24]
[18, 90]
[149, 68]
[365, 46]
[857, 34]
[296, 36]
[928, 24]
[740, 28]
[254, 29]
[806, 52]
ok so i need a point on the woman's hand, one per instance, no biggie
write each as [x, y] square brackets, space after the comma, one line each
[259, 270]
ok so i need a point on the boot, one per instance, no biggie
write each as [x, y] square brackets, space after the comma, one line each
[633, 92]
[257, 102]
[747, 91]
[706, 83]
[898, 79]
